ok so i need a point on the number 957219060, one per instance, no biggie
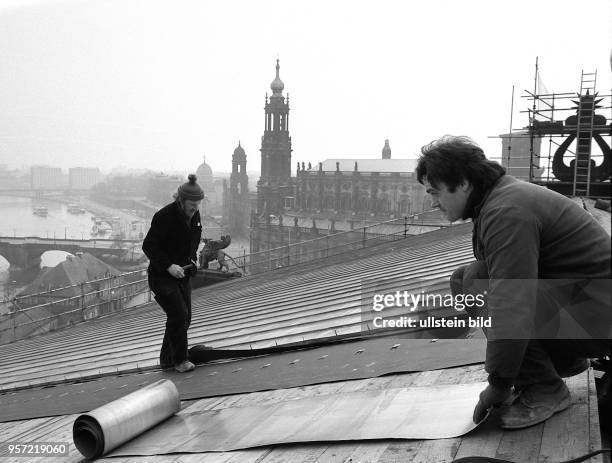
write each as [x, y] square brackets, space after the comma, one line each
[34, 449]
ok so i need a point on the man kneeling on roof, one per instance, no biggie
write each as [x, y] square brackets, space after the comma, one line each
[543, 263]
[171, 245]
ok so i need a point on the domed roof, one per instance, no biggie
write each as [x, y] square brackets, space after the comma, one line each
[205, 175]
[277, 85]
[239, 151]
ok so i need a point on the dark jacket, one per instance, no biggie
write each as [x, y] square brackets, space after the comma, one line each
[171, 240]
[525, 234]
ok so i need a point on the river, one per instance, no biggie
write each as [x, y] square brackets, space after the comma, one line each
[17, 219]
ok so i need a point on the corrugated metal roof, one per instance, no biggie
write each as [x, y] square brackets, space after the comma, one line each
[308, 301]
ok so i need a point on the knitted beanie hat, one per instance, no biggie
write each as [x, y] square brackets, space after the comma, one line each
[191, 190]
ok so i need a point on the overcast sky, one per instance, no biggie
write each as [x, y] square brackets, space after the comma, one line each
[160, 84]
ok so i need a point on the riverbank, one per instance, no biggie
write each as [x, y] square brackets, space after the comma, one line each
[128, 224]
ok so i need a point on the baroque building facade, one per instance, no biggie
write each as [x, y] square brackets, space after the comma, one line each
[382, 187]
[339, 195]
[385, 189]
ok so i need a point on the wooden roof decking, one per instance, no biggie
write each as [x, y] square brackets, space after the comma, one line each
[309, 301]
[566, 435]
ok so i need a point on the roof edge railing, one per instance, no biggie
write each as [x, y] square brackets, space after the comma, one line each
[246, 256]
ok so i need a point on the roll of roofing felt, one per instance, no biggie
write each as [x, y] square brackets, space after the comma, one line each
[101, 430]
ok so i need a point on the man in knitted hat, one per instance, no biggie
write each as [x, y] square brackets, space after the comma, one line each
[171, 245]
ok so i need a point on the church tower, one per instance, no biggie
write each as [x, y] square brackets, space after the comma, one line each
[238, 194]
[274, 186]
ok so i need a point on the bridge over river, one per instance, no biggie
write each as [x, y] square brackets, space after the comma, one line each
[21, 252]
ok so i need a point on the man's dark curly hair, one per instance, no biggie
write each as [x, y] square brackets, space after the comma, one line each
[451, 160]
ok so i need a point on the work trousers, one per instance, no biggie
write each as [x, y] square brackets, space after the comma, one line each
[174, 297]
[545, 359]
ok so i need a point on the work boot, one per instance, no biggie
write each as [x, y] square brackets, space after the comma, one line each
[536, 403]
[184, 366]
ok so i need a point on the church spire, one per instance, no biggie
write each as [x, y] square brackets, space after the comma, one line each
[275, 183]
[277, 85]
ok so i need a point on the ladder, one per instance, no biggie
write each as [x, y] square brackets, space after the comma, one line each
[584, 134]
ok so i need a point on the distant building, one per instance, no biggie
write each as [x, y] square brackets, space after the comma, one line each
[13, 179]
[161, 188]
[46, 178]
[83, 178]
[382, 188]
[237, 202]
[516, 155]
[86, 292]
[213, 190]
[339, 195]
[275, 190]
[126, 191]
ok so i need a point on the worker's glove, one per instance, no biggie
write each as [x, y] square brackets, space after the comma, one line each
[490, 397]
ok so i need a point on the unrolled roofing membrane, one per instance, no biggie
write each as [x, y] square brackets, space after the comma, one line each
[432, 412]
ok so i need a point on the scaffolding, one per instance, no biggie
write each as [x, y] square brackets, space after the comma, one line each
[573, 124]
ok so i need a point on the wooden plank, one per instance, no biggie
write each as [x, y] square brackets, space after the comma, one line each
[429, 378]
[594, 428]
[402, 380]
[294, 454]
[56, 429]
[563, 436]
[61, 432]
[566, 434]
[368, 452]
[521, 444]
[483, 441]
[336, 452]
[34, 432]
[401, 451]
[239, 456]
[150, 459]
[9, 431]
[438, 451]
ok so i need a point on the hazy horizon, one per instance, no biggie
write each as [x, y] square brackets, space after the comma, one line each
[161, 84]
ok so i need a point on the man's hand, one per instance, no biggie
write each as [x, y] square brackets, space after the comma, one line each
[176, 271]
[490, 397]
